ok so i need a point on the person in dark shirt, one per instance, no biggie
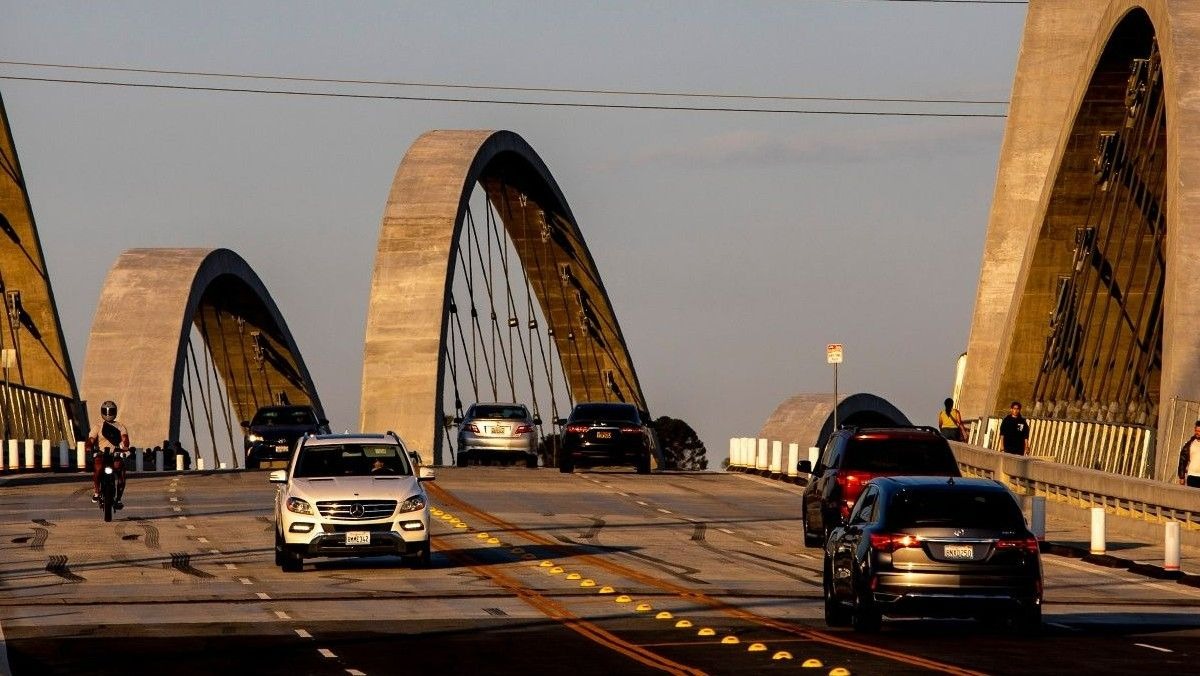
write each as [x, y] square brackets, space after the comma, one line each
[1014, 431]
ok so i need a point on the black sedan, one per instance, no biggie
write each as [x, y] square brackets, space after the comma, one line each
[933, 547]
[273, 431]
[602, 433]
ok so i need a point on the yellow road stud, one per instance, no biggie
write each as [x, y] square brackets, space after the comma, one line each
[839, 671]
[812, 663]
[683, 624]
[460, 524]
[557, 570]
[528, 557]
[482, 536]
[436, 512]
[782, 655]
[588, 583]
[756, 648]
[446, 517]
[664, 615]
[706, 631]
[623, 598]
[643, 607]
[607, 590]
[546, 564]
[730, 640]
[493, 541]
[574, 576]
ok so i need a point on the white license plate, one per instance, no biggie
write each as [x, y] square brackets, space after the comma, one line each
[604, 435]
[959, 552]
[358, 537]
[282, 449]
[498, 430]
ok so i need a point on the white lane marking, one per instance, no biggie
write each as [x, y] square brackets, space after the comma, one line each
[303, 634]
[282, 615]
[326, 652]
[190, 527]
[1061, 626]
[805, 556]
[230, 566]
[5, 670]
[214, 551]
[644, 504]
[622, 493]
[665, 511]
[245, 580]
[765, 544]
[725, 531]
[202, 540]
[356, 672]
[1097, 570]
[264, 596]
[1153, 647]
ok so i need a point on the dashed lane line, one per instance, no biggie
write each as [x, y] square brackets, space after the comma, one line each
[356, 672]
[245, 580]
[765, 544]
[264, 596]
[302, 633]
[725, 531]
[326, 652]
[282, 615]
[665, 511]
[1154, 647]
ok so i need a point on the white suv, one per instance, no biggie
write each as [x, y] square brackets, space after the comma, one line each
[350, 495]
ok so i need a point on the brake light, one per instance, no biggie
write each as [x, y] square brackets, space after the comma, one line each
[890, 542]
[523, 429]
[1029, 545]
[472, 427]
[851, 484]
[630, 429]
[577, 429]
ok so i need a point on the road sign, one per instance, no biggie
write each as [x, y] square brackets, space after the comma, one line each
[833, 353]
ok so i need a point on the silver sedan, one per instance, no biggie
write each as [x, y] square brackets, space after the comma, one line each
[497, 430]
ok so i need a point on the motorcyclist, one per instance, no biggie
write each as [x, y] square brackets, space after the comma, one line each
[109, 433]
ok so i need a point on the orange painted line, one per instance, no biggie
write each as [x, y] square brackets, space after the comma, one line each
[558, 612]
[446, 496]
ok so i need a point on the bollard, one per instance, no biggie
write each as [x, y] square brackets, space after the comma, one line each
[199, 464]
[223, 466]
[814, 454]
[80, 455]
[14, 455]
[178, 462]
[792, 459]
[1037, 517]
[139, 460]
[761, 462]
[733, 459]
[46, 454]
[1171, 546]
[748, 453]
[29, 454]
[1097, 530]
[776, 466]
[64, 454]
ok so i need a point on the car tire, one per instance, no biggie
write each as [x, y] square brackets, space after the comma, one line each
[279, 546]
[293, 561]
[566, 464]
[531, 461]
[462, 459]
[643, 464]
[424, 557]
[810, 540]
[836, 614]
[865, 616]
[1028, 620]
[251, 463]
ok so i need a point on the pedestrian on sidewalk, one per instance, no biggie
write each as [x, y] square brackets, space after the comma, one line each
[950, 422]
[1189, 460]
[1014, 431]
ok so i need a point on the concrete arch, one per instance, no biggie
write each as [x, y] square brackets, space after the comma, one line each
[1054, 100]
[403, 369]
[138, 348]
[807, 419]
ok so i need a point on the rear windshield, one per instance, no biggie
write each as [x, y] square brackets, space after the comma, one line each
[284, 416]
[499, 412]
[900, 456]
[620, 412]
[352, 460]
[957, 508]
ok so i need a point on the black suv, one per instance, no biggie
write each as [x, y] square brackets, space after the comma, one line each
[272, 433]
[603, 433]
[852, 457]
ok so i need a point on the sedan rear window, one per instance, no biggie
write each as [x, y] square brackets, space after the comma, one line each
[499, 412]
[352, 460]
[613, 412]
[955, 508]
[284, 416]
[900, 456]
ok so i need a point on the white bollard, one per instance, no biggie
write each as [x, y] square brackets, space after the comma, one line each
[223, 466]
[776, 466]
[14, 455]
[793, 458]
[139, 460]
[46, 454]
[199, 464]
[64, 454]
[29, 454]
[1171, 546]
[814, 454]
[1097, 530]
[81, 455]
[749, 456]
[733, 452]
[761, 460]
[1037, 517]
[178, 462]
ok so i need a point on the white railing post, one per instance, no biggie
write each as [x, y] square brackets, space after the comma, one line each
[793, 457]
[81, 455]
[199, 463]
[139, 460]
[776, 466]
[178, 462]
[733, 459]
[761, 461]
[1171, 546]
[64, 454]
[29, 454]
[14, 455]
[46, 454]
[1097, 531]
[1037, 517]
[814, 454]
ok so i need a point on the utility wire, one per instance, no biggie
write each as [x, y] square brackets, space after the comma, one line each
[551, 104]
[540, 90]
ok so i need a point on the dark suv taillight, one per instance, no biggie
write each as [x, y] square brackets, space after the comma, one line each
[1029, 545]
[890, 542]
[631, 429]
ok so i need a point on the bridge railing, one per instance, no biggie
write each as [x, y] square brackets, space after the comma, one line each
[28, 413]
[1126, 450]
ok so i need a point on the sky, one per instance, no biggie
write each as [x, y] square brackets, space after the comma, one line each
[734, 246]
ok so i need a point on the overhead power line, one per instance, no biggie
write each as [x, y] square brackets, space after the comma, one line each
[501, 88]
[507, 102]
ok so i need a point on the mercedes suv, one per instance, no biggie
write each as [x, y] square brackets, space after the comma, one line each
[351, 495]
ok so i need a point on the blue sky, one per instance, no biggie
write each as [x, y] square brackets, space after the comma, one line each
[734, 246]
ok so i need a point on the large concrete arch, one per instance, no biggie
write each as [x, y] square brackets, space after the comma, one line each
[807, 419]
[414, 265]
[138, 348]
[1065, 92]
[39, 396]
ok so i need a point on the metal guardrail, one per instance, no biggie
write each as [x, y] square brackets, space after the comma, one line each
[1126, 450]
[33, 414]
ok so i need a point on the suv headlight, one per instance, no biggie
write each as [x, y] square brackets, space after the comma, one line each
[300, 506]
[252, 437]
[416, 502]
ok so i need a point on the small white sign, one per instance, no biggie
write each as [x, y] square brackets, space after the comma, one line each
[833, 353]
[8, 358]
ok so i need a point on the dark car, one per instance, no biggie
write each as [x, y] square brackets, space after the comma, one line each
[933, 547]
[602, 433]
[273, 431]
[853, 456]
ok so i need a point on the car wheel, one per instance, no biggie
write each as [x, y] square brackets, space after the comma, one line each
[810, 540]
[531, 461]
[865, 616]
[424, 557]
[251, 462]
[836, 614]
[1028, 620]
[293, 561]
[643, 464]
[463, 459]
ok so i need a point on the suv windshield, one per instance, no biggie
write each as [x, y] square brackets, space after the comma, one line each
[616, 412]
[900, 456]
[961, 508]
[498, 412]
[301, 415]
[352, 460]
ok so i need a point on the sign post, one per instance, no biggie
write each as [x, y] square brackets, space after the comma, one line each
[833, 355]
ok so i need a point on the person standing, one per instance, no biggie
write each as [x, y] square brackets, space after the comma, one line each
[1189, 460]
[1014, 431]
[950, 422]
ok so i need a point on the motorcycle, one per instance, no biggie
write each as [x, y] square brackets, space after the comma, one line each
[108, 484]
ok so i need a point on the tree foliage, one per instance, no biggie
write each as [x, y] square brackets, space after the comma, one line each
[681, 447]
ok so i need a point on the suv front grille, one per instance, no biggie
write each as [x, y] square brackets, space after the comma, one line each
[357, 510]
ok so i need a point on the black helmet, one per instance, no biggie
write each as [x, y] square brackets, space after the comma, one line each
[108, 410]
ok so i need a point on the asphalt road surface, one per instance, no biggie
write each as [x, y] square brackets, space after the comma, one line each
[706, 574]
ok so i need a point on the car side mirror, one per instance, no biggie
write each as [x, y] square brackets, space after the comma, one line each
[804, 467]
[245, 423]
[278, 476]
[426, 474]
[415, 458]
